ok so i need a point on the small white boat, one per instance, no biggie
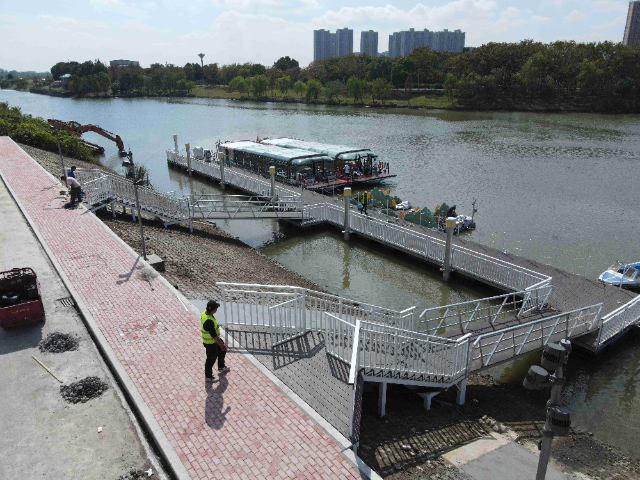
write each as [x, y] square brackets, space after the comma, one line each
[623, 275]
[404, 205]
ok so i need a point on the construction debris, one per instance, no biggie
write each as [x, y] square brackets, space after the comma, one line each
[46, 368]
[83, 390]
[135, 474]
[57, 342]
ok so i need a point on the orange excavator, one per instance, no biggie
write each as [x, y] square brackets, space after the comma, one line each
[77, 129]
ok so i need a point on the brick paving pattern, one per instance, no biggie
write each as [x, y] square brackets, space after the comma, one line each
[242, 427]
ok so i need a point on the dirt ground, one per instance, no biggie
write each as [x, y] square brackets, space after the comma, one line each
[194, 262]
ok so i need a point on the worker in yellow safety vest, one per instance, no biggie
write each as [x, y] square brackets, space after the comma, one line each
[216, 349]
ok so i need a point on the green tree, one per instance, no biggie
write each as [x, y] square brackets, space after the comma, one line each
[259, 85]
[103, 82]
[257, 69]
[379, 68]
[314, 90]
[380, 89]
[238, 84]
[285, 63]
[332, 90]
[300, 88]
[356, 88]
[283, 84]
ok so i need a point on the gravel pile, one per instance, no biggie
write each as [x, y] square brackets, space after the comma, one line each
[133, 474]
[83, 390]
[57, 342]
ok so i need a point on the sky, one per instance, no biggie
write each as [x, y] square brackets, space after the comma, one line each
[36, 34]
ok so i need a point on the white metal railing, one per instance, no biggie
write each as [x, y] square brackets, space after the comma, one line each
[510, 342]
[234, 206]
[286, 321]
[100, 186]
[248, 183]
[505, 274]
[339, 338]
[248, 304]
[459, 316]
[616, 321]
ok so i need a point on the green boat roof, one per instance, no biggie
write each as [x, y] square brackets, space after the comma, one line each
[296, 156]
[334, 151]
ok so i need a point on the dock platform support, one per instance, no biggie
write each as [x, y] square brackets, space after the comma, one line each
[446, 270]
[347, 201]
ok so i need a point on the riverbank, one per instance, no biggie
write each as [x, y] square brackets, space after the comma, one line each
[196, 261]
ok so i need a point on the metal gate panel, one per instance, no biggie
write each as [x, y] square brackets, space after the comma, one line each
[287, 321]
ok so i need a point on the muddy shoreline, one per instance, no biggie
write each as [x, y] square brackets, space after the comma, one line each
[194, 262]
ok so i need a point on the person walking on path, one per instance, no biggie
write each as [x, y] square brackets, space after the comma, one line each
[365, 202]
[75, 188]
[72, 171]
[216, 349]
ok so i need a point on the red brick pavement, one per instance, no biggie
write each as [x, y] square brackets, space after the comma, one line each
[242, 427]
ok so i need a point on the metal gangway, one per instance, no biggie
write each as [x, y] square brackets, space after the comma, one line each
[102, 189]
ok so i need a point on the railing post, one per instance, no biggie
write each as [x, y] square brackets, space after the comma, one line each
[347, 200]
[222, 162]
[175, 143]
[446, 270]
[272, 172]
[186, 145]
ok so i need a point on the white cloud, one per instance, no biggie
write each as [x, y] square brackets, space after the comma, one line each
[296, 6]
[115, 6]
[615, 23]
[575, 16]
[606, 6]
[510, 12]
[539, 19]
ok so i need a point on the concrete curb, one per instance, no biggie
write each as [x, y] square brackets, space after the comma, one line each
[167, 452]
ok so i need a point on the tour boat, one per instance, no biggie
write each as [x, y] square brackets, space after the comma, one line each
[623, 275]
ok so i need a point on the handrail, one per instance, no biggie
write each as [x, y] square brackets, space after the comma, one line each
[533, 332]
[616, 321]
[354, 365]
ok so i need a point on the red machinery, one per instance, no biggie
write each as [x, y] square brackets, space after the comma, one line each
[20, 300]
[77, 129]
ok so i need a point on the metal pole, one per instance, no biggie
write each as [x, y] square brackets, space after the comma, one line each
[272, 172]
[222, 162]
[135, 189]
[446, 270]
[547, 433]
[186, 145]
[175, 143]
[347, 198]
[64, 172]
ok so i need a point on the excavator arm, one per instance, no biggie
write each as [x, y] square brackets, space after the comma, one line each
[78, 129]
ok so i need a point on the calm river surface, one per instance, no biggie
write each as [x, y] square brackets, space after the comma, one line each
[560, 188]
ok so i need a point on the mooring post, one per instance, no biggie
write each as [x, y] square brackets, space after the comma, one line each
[175, 143]
[222, 162]
[347, 200]
[186, 145]
[272, 172]
[446, 270]
[462, 392]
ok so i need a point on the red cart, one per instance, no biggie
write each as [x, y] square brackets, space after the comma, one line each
[20, 300]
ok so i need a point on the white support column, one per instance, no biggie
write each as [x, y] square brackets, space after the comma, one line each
[446, 271]
[186, 145]
[382, 399]
[175, 143]
[462, 392]
[113, 209]
[222, 160]
[347, 201]
[272, 172]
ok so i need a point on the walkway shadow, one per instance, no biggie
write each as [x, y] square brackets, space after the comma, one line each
[127, 276]
[20, 337]
[213, 413]
[258, 343]
[339, 369]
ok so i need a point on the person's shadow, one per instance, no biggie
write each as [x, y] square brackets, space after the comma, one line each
[213, 413]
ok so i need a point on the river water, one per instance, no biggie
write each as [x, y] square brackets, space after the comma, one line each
[559, 188]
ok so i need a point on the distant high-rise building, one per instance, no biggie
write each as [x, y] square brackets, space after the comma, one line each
[344, 42]
[369, 43]
[403, 43]
[327, 44]
[323, 44]
[632, 29]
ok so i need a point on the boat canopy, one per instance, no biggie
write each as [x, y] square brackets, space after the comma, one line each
[336, 152]
[292, 156]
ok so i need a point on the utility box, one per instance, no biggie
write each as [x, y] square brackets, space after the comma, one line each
[20, 300]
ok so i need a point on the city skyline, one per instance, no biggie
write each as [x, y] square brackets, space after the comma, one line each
[632, 26]
[261, 31]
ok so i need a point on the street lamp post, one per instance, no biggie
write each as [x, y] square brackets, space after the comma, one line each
[135, 189]
[554, 357]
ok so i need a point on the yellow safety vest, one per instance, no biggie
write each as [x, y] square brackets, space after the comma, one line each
[206, 336]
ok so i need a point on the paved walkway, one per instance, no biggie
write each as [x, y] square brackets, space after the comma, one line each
[242, 427]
